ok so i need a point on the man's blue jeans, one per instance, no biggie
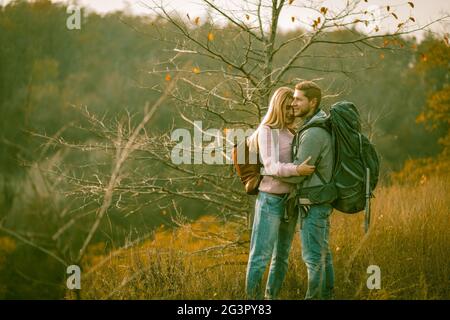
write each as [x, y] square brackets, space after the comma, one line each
[315, 231]
[271, 238]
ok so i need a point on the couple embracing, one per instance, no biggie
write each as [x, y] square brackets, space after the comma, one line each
[292, 162]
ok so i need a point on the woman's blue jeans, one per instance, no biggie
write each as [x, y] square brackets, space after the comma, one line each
[271, 239]
[316, 252]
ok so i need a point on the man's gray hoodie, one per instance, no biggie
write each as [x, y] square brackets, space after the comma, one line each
[314, 142]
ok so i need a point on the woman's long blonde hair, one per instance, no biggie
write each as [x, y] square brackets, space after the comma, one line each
[274, 117]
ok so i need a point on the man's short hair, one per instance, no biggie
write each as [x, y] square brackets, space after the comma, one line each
[311, 90]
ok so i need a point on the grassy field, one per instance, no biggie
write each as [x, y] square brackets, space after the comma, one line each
[408, 239]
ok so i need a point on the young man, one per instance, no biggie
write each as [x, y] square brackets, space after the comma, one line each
[314, 218]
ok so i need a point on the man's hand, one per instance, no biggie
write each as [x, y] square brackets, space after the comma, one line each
[304, 169]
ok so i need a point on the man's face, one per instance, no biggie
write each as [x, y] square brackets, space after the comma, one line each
[302, 105]
[288, 114]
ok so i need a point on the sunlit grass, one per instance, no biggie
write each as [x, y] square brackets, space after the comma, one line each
[408, 240]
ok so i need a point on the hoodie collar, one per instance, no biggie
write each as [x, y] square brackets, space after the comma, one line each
[317, 114]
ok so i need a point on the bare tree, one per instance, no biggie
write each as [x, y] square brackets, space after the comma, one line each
[233, 90]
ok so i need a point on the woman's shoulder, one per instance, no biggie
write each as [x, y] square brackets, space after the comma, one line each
[266, 127]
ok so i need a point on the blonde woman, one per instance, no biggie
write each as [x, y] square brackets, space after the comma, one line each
[272, 233]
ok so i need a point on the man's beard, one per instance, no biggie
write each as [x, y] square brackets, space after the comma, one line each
[303, 113]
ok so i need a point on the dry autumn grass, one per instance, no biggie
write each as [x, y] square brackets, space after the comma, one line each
[408, 239]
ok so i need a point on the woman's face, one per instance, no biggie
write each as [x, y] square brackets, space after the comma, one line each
[288, 112]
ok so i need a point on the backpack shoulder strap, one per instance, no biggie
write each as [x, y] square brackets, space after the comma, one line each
[322, 124]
